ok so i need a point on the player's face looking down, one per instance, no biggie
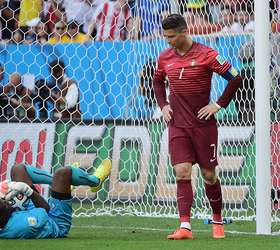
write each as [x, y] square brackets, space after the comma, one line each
[175, 38]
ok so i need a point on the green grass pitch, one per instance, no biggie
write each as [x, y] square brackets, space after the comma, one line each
[133, 233]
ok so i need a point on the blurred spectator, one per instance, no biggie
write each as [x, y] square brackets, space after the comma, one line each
[59, 35]
[275, 22]
[275, 26]
[4, 110]
[17, 37]
[53, 12]
[144, 105]
[20, 98]
[243, 22]
[42, 100]
[30, 35]
[146, 83]
[34, 33]
[112, 21]
[196, 4]
[274, 17]
[81, 11]
[214, 8]
[245, 95]
[29, 9]
[226, 19]
[9, 11]
[67, 95]
[1, 73]
[74, 34]
[41, 33]
[193, 4]
[237, 5]
[148, 16]
[275, 75]
[274, 8]
[16, 99]
[197, 20]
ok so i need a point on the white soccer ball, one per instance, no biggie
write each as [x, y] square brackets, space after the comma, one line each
[19, 202]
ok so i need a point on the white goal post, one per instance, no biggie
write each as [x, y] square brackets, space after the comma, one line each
[263, 154]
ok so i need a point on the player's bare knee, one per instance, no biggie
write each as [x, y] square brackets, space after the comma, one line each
[183, 175]
[183, 178]
[62, 173]
[183, 172]
[209, 176]
[17, 169]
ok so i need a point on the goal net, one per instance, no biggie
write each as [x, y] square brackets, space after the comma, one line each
[76, 89]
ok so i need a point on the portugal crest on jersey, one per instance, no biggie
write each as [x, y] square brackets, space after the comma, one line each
[220, 59]
[193, 62]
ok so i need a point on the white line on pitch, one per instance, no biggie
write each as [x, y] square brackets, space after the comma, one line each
[158, 229]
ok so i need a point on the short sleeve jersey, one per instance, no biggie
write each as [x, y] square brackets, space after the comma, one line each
[190, 81]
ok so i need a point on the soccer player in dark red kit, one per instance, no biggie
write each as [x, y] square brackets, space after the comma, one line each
[193, 135]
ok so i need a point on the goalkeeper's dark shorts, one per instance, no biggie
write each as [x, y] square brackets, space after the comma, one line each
[194, 145]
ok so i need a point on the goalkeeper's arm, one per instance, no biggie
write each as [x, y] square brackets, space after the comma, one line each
[25, 189]
[39, 201]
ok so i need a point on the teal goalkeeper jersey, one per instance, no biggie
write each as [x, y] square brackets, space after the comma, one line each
[33, 223]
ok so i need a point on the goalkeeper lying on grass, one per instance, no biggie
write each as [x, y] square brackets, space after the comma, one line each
[42, 219]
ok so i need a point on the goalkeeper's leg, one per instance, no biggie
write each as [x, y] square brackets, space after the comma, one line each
[30, 175]
[65, 177]
[33, 175]
[95, 181]
[60, 201]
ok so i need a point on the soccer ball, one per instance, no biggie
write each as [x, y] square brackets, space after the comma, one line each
[19, 202]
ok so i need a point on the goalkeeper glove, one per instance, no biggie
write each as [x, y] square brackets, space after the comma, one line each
[14, 188]
[4, 188]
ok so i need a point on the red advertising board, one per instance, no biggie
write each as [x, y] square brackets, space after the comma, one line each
[26, 143]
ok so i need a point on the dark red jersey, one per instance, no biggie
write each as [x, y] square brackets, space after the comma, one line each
[189, 82]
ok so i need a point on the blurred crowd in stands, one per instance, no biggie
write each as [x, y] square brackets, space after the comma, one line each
[57, 99]
[65, 21]
[81, 21]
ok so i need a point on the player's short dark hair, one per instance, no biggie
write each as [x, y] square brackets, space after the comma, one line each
[175, 22]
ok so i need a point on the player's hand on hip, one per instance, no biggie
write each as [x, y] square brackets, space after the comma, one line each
[207, 111]
[167, 113]
[18, 187]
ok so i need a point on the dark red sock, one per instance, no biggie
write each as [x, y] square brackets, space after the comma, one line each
[184, 199]
[214, 195]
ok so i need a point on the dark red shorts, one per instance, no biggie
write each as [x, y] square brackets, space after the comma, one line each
[194, 145]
